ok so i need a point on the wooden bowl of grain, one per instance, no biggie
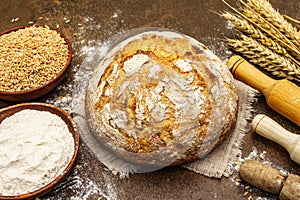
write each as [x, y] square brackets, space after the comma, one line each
[40, 150]
[33, 61]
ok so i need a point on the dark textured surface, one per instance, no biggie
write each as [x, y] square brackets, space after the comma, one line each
[103, 18]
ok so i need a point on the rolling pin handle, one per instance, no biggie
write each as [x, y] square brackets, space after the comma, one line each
[270, 129]
[269, 179]
[247, 73]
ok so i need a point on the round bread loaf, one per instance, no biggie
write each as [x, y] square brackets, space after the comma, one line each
[161, 98]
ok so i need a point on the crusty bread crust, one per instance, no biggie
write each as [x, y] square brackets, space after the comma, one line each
[161, 98]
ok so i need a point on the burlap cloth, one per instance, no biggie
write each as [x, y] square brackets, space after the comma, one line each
[216, 164]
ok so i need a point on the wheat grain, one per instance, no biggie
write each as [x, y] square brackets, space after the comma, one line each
[265, 58]
[30, 58]
[265, 9]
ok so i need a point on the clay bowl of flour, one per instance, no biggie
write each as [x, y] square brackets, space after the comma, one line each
[33, 61]
[39, 146]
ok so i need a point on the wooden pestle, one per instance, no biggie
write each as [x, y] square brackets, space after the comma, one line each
[282, 96]
[271, 180]
[270, 129]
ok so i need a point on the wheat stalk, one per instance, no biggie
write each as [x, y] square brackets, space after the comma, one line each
[247, 28]
[293, 21]
[267, 46]
[265, 9]
[265, 58]
[272, 31]
[250, 30]
[261, 23]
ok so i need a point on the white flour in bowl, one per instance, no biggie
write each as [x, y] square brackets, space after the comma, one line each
[35, 148]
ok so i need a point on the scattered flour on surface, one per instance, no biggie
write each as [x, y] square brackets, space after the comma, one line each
[253, 155]
[91, 54]
[88, 54]
[219, 48]
[73, 185]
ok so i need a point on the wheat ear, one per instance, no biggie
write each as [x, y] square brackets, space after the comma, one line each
[248, 29]
[265, 58]
[265, 9]
[252, 16]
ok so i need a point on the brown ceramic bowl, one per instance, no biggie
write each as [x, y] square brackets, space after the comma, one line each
[41, 90]
[8, 111]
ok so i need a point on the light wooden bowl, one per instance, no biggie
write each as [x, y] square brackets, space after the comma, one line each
[41, 90]
[8, 111]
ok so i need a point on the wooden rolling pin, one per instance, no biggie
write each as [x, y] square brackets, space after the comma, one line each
[270, 129]
[271, 180]
[282, 96]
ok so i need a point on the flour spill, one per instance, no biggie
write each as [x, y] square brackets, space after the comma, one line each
[71, 93]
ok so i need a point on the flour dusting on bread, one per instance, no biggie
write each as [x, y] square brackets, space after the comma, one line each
[161, 99]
